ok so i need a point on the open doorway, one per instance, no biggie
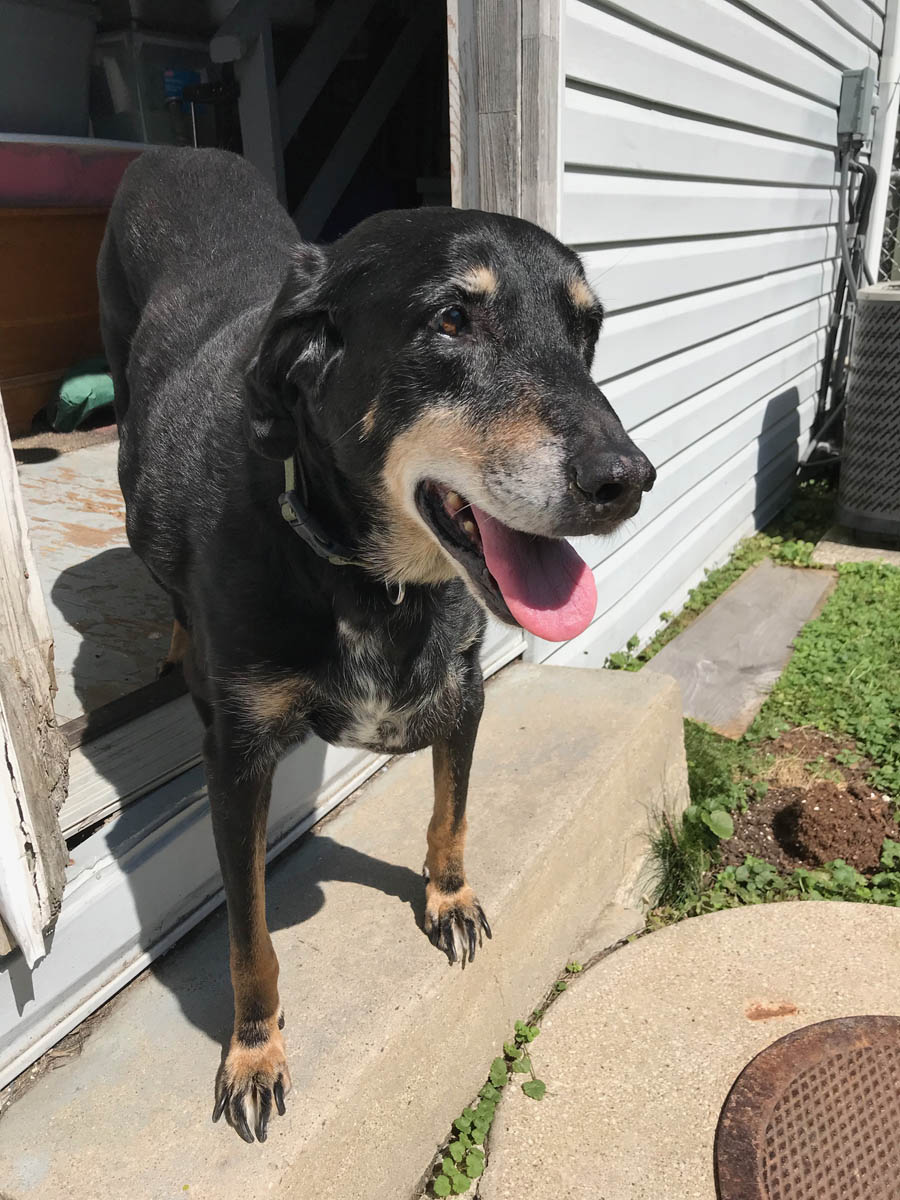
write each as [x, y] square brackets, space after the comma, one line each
[373, 135]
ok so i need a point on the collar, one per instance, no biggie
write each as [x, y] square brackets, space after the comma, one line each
[305, 525]
[308, 529]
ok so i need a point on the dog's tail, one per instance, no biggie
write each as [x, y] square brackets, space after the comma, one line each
[118, 316]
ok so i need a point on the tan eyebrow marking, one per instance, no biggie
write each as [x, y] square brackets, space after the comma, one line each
[581, 294]
[479, 281]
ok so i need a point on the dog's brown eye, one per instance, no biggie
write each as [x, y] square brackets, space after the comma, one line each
[452, 321]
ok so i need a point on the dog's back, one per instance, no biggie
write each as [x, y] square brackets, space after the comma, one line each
[195, 251]
[200, 222]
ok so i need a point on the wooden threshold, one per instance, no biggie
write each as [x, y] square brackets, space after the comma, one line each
[107, 717]
[116, 767]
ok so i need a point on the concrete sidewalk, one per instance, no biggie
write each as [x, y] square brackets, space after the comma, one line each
[640, 1053]
[386, 1042]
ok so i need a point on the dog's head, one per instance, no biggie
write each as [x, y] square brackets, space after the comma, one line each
[434, 368]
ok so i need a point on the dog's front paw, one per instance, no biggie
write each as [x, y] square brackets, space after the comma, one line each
[253, 1075]
[455, 921]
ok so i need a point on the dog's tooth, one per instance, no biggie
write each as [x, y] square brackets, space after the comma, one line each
[469, 526]
[453, 502]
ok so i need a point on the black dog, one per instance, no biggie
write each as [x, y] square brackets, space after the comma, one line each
[423, 385]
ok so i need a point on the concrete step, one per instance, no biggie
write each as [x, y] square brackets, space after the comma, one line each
[386, 1042]
[727, 661]
[842, 546]
[640, 1053]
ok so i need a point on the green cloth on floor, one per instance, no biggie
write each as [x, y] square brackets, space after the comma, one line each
[86, 388]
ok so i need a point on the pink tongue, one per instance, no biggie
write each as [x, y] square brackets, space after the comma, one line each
[548, 588]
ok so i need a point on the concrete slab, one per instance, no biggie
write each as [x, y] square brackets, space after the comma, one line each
[727, 661]
[640, 1053]
[386, 1042]
[838, 546]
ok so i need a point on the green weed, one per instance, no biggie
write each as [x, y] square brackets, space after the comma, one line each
[757, 882]
[464, 1160]
[721, 777]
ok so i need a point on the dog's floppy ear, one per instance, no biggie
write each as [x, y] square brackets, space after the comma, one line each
[296, 347]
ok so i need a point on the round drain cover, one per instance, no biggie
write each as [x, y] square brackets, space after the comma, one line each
[816, 1116]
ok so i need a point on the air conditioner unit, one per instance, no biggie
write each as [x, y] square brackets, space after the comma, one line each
[869, 495]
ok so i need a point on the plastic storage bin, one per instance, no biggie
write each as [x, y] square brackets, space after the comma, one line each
[45, 56]
[136, 83]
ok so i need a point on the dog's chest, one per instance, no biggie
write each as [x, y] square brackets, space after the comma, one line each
[385, 709]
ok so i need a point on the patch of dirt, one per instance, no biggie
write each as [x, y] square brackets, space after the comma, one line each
[818, 807]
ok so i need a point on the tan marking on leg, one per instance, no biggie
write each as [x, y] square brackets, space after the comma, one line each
[254, 977]
[254, 964]
[454, 919]
[256, 1059]
[479, 280]
[447, 828]
[268, 699]
[179, 643]
[581, 294]
[266, 1058]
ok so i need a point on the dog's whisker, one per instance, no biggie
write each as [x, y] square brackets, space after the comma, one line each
[341, 436]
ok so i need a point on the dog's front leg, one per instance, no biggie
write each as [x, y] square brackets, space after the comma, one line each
[454, 918]
[254, 1073]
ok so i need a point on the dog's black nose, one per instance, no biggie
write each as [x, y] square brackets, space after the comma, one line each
[607, 478]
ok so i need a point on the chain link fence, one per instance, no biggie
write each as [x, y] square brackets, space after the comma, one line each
[889, 264]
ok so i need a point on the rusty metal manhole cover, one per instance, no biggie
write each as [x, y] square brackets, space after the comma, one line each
[816, 1116]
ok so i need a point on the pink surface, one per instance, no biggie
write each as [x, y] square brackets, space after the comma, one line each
[78, 174]
[547, 585]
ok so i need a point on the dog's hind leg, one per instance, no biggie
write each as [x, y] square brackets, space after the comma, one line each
[254, 1072]
[454, 919]
[178, 648]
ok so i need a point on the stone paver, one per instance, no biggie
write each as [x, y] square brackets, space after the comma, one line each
[727, 661]
[639, 1055]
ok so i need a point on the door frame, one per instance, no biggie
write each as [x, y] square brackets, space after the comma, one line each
[34, 768]
[506, 85]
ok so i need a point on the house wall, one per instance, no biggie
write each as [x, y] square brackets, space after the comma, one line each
[698, 182]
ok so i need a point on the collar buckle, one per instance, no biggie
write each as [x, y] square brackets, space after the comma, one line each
[308, 529]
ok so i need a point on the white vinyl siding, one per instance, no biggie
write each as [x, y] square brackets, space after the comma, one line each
[698, 142]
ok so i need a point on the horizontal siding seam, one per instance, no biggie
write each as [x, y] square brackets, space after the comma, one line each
[788, 348]
[777, 27]
[575, 168]
[687, 238]
[772, 274]
[693, 114]
[606, 380]
[645, 432]
[622, 12]
[850, 28]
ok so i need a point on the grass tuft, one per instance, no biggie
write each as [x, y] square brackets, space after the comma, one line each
[844, 674]
[721, 775]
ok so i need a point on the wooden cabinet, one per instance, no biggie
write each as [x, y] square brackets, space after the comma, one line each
[49, 316]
